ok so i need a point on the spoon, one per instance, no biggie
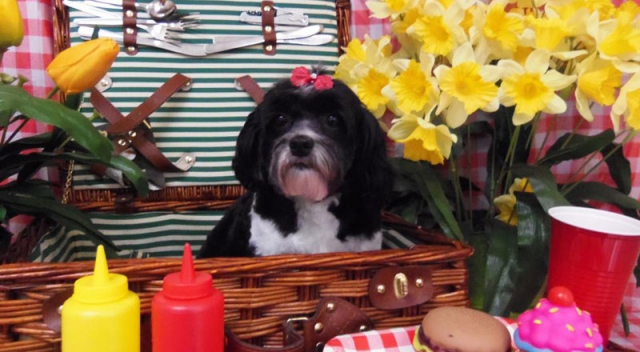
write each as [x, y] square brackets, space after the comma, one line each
[161, 9]
[158, 10]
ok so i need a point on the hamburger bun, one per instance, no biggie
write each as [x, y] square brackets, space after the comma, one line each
[461, 329]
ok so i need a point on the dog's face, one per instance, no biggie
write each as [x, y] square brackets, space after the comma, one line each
[307, 143]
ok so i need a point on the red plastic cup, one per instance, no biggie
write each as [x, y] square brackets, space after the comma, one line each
[593, 253]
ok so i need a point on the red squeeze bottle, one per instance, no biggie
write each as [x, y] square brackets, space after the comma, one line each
[188, 313]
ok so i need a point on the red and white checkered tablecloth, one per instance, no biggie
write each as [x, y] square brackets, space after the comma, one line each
[389, 340]
[36, 51]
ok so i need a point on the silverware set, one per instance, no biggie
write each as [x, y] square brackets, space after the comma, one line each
[164, 25]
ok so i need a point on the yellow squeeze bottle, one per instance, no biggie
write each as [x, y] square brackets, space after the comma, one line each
[102, 315]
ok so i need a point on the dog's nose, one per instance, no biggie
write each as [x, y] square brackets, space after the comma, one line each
[301, 145]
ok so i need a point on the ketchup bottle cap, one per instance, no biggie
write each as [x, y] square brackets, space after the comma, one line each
[188, 283]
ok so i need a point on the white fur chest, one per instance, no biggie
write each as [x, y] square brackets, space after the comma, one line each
[317, 230]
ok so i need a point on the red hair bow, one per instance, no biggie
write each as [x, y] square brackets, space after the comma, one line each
[300, 76]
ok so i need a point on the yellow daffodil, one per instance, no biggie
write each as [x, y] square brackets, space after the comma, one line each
[466, 86]
[12, 28]
[495, 31]
[550, 32]
[627, 12]
[506, 203]
[628, 104]
[531, 88]
[360, 57]
[414, 89]
[618, 41]
[438, 29]
[597, 81]
[82, 66]
[389, 8]
[369, 90]
[423, 140]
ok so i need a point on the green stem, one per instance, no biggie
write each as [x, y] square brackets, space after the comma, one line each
[503, 171]
[628, 137]
[53, 92]
[534, 128]
[573, 132]
[2, 51]
[625, 320]
[469, 183]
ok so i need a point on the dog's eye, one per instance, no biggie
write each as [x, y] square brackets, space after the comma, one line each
[281, 121]
[332, 121]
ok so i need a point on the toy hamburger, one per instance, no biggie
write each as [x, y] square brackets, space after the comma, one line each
[461, 329]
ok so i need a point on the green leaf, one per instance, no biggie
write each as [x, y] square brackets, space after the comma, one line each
[3, 213]
[534, 226]
[543, 184]
[46, 111]
[619, 167]
[432, 190]
[578, 147]
[477, 266]
[500, 272]
[602, 193]
[73, 101]
[63, 214]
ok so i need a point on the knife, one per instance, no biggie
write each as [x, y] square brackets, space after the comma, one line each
[86, 33]
[303, 32]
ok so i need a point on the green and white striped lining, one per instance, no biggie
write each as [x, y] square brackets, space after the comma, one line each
[153, 234]
[150, 234]
[207, 119]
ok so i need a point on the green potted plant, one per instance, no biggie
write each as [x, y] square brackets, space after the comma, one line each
[73, 138]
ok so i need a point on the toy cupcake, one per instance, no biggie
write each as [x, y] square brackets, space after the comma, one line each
[556, 324]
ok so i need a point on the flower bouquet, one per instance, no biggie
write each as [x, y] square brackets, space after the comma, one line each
[458, 71]
[73, 138]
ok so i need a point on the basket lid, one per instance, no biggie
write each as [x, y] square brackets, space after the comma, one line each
[187, 283]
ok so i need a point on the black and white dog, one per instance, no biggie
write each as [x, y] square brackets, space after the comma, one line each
[313, 160]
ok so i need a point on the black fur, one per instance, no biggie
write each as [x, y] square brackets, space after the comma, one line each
[364, 186]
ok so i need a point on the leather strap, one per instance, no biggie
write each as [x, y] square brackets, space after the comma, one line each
[130, 131]
[334, 316]
[268, 27]
[249, 85]
[129, 28]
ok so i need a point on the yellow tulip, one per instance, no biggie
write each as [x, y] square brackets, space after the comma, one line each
[81, 67]
[12, 30]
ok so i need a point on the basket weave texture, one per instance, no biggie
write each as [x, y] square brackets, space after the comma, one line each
[260, 293]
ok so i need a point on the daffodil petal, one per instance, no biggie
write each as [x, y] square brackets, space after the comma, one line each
[538, 61]
[492, 106]
[520, 118]
[490, 73]
[510, 67]
[445, 101]
[582, 104]
[456, 114]
[626, 66]
[403, 127]
[556, 80]
[556, 106]
[464, 53]
[379, 9]
[569, 55]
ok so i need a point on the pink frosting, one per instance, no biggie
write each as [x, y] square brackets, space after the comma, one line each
[559, 328]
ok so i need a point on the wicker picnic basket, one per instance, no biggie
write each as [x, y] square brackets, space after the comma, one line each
[260, 293]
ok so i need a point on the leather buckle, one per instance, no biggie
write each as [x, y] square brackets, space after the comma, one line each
[400, 287]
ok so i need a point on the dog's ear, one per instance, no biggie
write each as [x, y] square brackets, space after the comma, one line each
[371, 174]
[247, 160]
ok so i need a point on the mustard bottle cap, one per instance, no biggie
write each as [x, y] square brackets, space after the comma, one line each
[187, 283]
[102, 286]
